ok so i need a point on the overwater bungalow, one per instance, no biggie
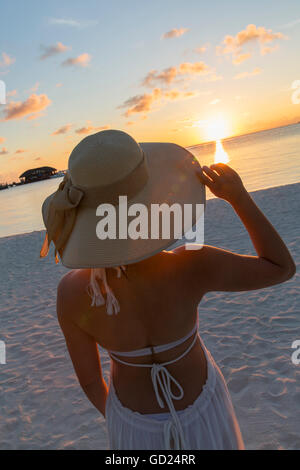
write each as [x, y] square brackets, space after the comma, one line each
[37, 174]
[59, 174]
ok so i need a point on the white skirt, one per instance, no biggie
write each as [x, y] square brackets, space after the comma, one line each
[208, 424]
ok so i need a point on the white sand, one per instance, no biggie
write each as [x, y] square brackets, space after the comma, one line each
[249, 334]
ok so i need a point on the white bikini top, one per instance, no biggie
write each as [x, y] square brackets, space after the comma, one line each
[154, 349]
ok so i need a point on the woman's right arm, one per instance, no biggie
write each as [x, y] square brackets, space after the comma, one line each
[223, 270]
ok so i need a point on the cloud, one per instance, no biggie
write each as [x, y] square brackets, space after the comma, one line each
[193, 68]
[89, 128]
[20, 151]
[34, 104]
[6, 60]
[11, 93]
[168, 75]
[252, 34]
[35, 116]
[201, 49]
[216, 101]
[71, 22]
[64, 21]
[268, 50]
[256, 71]
[291, 24]
[50, 51]
[62, 130]
[241, 58]
[176, 95]
[2, 139]
[4, 151]
[141, 103]
[80, 61]
[174, 33]
[35, 87]
[58, 85]
[144, 103]
[214, 78]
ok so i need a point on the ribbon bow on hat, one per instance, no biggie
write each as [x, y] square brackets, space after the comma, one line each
[61, 216]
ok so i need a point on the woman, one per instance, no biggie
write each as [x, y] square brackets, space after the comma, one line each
[165, 390]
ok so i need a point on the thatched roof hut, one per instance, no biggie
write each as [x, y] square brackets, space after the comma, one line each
[37, 174]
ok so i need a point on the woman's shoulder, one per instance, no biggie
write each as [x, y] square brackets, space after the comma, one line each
[71, 289]
[67, 279]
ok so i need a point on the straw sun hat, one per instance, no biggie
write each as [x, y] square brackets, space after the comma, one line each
[102, 167]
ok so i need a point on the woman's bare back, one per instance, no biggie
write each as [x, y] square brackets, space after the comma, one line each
[157, 307]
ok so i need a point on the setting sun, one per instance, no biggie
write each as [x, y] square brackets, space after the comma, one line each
[216, 128]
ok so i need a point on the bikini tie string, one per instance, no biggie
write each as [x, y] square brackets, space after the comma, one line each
[173, 438]
[161, 377]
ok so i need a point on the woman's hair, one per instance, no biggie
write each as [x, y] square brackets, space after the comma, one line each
[94, 291]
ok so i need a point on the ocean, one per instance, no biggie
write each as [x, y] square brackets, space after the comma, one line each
[263, 159]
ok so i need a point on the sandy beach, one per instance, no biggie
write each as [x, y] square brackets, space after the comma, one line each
[249, 334]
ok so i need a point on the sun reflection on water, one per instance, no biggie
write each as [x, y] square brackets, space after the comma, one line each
[220, 155]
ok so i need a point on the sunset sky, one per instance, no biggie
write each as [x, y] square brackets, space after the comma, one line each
[161, 70]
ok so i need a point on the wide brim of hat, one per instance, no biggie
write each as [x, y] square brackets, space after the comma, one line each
[172, 179]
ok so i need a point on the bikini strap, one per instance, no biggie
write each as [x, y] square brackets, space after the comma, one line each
[162, 364]
[155, 349]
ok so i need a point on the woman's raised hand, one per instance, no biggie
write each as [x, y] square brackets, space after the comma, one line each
[223, 181]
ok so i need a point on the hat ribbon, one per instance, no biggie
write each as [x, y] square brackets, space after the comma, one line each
[61, 216]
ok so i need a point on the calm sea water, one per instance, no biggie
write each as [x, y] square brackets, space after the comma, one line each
[263, 159]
